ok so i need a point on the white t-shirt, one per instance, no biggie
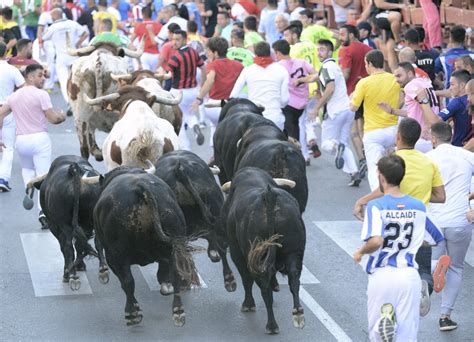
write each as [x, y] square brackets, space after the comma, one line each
[11, 78]
[267, 87]
[295, 14]
[339, 101]
[238, 12]
[57, 34]
[456, 166]
[183, 25]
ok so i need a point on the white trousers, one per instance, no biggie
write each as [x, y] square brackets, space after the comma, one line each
[35, 155]
[189, 118]
[62, 69]
[149, 61]
[307, 129]
[50, 53]
[212, 114]
[276, 116]
[400, 287]
[376, 142]
[8, 138]
[337, 131]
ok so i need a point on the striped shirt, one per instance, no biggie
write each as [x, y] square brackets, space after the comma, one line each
[403, 224]
[183, 64]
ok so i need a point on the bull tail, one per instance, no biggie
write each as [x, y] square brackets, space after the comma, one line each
[184, 179]
[30, 189]
[144, 147]
[99, 75]
[183, 259]
[77, 232]
[262, 253]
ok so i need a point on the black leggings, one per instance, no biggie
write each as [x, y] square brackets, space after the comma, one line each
[291, 121]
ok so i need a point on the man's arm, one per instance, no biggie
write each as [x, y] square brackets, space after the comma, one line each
[358, 209]
[372, 244]
[55, 116]
[203, 74]
[206, 87]
[330, 87]
[284, 91]
[398, 112]
[4, 110]
[83, 37]
[428, 114]
[438, 195]
[239, 85]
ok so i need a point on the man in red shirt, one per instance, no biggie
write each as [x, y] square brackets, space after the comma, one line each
[351, 59]
[149, 59]
[220, 79]
[183, 64]
[24, 49]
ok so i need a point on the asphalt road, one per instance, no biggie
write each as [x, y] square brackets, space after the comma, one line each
[36, 305]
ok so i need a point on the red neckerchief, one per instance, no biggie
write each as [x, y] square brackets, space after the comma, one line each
[263, 61]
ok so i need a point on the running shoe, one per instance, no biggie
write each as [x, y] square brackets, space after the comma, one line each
[362, 168]
[355, 179]
[339, 159]
[439, 274]
[446, 324]
[386, 324]
[425, 303]
[199, 135]
[4, 186]
[313, 146]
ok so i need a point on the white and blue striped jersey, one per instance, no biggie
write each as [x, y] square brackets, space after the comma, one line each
[403, 224]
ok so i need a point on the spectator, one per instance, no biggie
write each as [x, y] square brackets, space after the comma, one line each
[456, 166]
[210, 13]
[444, 64]
[407, 54]
[281, 22]
[167, 50]
[313, 32]
[365, 32]
[240, 9]
[31, 11]
[224, 26]
[388, 18]
[195, 41]
[431, 24]
[194, 14]
[106, 35]
[251, 35]
[267, 27]
[425, 59]
[149, 59]
[379, 126]
[237, 52]
[86, 18]
[24, 55]
[103, 13]
[76, 11]
[11, 31]
[170, 15]
[267, 84]
[464, 63]
[341, 10]
[294, 8]
[124, 8]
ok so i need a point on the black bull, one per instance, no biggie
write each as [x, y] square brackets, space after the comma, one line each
[201, 200]
[266, 234]
[139, 221]
[68, 205]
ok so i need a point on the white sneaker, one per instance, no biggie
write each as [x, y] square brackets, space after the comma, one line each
[425, 303]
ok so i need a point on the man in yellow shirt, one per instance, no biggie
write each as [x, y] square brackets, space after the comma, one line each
[422, 181]
[102, 14]
[379, 126]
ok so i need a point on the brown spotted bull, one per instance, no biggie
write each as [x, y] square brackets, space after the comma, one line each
[138, 135]
[90, 76]
[151, 82]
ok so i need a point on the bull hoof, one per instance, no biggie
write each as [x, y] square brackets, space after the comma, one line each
[28, 203]
[135, 317]
[104, 276]
[229, 283]
[245, 308]
[81, 267]
[276, 288]
[98, 156]
[214, 256]
[298, 318]
[272, 329]
[166, 289]
[179, 316]
[74, 283]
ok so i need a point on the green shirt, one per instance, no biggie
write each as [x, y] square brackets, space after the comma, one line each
[252, 38]
[241, 55]
[30, 19]
[110, 37]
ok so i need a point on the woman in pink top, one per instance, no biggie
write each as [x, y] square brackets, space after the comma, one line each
[31, 107]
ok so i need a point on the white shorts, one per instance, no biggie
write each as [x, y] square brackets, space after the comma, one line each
[402, 288]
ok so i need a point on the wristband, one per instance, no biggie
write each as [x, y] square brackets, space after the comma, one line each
[200, 100]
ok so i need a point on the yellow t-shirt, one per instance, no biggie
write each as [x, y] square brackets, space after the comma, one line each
[421, 175]
[376, 88]
[309, 52]
[315, 32]
[104, 15]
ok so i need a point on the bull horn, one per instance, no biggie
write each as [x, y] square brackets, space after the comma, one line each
[89, 180]
[119, 77]
[135, 54]
[238, 142]
[213, 104]
[226, 187]
[82, 51]
[215, 170]
[98, 100]
[151, 168]
[162, 76]
[284, 182]
[171, 102]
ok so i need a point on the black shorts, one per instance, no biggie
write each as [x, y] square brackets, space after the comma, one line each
[383, 24]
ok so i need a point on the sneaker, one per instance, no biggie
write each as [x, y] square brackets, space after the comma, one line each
[386, 325]
[42, 219]
[308, 162]
[339, 160]
[4, 186]
[445, 324]
[425, 303]
[439, 274]
[199, 135]
[362, 167]
[313, 146]
[355, 179]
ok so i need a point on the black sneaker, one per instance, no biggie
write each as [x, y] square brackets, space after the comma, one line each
[386, 324]
[315, 149]
[362, 168]
[445, 324]
[339, 152]
[4, 186]
[199, 135]
[355, 179]
[42, 219]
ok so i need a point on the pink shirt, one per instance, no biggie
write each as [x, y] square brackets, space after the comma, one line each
[29, 105]
[414, 108]
[297, 68]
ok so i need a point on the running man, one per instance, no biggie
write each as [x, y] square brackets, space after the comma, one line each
[395, 227]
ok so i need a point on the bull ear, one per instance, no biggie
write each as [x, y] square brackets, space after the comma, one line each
[121, 53]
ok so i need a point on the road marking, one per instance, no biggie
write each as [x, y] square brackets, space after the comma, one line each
[46, 262]
[306, 277]
[323, 316]
[149, 273]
